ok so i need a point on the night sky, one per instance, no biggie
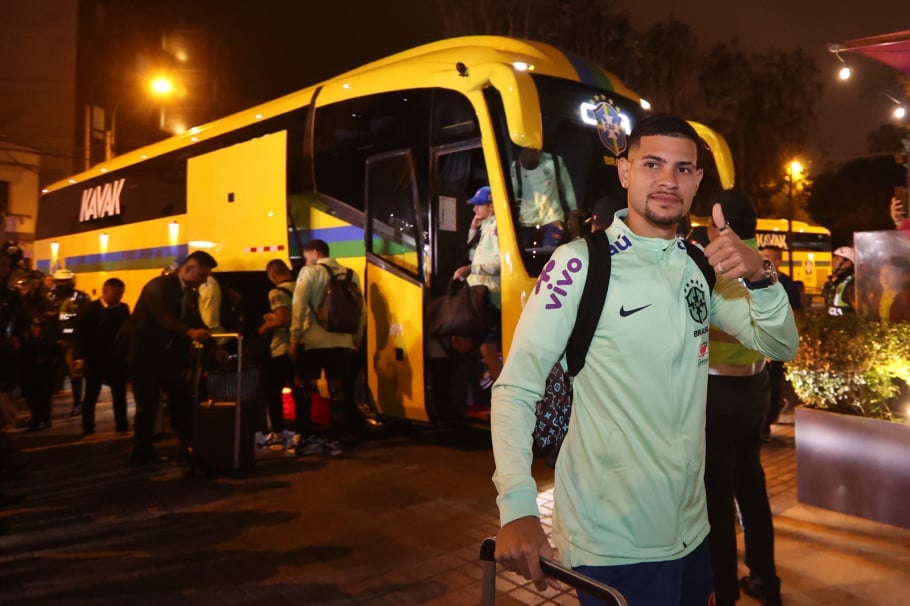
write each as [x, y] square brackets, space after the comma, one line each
[849, 110]
[307, 46]
[286, 45]
[272, 47]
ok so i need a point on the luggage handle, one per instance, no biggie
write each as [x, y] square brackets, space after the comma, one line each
[553, 569]
[237, 412]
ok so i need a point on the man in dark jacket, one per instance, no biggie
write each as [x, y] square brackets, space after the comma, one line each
[99, 324]
[164, 324]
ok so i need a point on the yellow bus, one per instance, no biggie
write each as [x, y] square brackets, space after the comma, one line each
[811, 248]
[379, 163]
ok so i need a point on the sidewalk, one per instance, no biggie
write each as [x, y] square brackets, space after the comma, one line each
[823, 558]
[388, 524]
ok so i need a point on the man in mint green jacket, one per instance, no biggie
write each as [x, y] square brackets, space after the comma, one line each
[629, 499]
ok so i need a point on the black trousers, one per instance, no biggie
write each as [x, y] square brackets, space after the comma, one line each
[95, 376]
[776, 370]
[733, 470]
[279, 373]
[149, 382]
[336, 362]
[37, 387]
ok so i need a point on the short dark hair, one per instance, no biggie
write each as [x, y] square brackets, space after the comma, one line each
[319, 246]
[202, 258]
[278, 266]
[663, 125]
[115, 282]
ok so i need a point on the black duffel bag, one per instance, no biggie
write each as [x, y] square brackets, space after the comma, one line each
[464, 311]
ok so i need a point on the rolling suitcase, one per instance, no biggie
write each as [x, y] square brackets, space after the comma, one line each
[602, 592]
[224, 417]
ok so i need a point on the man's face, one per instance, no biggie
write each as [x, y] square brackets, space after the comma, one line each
[193, 274]
[111, 295]
[64, 286]
[483, 211]
[841, 263]
[662, 178]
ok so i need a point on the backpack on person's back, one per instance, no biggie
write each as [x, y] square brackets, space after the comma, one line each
[342, 304]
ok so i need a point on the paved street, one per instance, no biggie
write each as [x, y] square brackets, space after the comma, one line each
[396, 520]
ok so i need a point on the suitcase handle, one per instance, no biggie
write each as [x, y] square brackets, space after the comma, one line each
[226, 335]
[553, 569]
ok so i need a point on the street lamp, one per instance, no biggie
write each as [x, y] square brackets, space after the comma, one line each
[160, 86]
[794, 171]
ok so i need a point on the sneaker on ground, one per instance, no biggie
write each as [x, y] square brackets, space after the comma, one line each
[312, 445]
[333, 448]
[262, 439]
[292, 444]
[287, 438]
[274, 440]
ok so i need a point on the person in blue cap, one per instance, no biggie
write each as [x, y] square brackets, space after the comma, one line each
[483, 250]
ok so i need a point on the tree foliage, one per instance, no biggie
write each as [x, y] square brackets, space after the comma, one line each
[855, 196]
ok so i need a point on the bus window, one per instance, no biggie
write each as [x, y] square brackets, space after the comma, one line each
[395, 233]
[453, 118]
[586, 129]
[349, 132]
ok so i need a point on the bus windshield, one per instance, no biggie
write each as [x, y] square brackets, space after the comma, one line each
[585, 130]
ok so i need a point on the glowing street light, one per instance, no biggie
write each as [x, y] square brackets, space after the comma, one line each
[160, 86]
[794, 171]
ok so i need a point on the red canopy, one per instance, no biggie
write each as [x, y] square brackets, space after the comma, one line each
[890, 49]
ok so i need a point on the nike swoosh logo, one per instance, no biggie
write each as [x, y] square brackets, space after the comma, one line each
[628, 312]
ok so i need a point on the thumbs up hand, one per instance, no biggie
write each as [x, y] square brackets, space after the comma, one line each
[728, 255]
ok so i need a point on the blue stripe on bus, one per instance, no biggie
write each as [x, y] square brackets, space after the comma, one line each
[157, 257]
[335, 234]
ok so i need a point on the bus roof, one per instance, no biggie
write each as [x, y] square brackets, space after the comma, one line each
[772, 224]
[422, 66]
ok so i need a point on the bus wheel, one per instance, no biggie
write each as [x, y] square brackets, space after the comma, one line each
[363, 399]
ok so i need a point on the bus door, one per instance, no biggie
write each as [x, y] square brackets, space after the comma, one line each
[458, 171]
[393, 286]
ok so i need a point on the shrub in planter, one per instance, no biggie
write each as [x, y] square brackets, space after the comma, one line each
[851, 365]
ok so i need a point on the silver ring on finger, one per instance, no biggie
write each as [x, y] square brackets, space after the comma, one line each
[720, 267]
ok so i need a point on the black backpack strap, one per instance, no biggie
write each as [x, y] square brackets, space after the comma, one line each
[698, 255]
[562, 198]
[592, 301]
[286, 291]
[518, 188]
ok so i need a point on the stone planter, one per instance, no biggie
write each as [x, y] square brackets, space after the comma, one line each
[853, 465]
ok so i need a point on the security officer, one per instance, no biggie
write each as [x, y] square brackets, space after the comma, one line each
[69, 302]
[839, 290]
